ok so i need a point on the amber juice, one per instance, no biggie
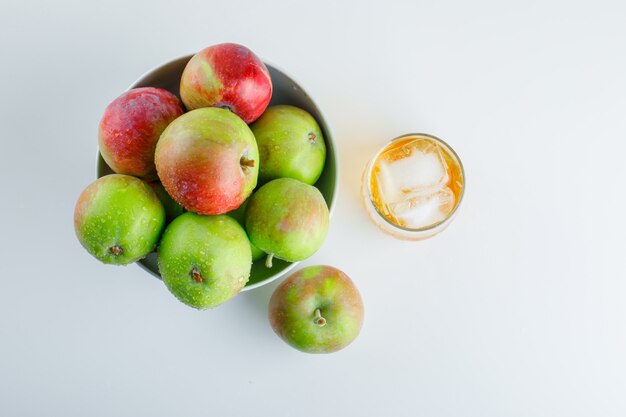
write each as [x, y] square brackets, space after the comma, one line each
[413, 186]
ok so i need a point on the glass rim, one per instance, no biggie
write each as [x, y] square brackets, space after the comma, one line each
[434, 225]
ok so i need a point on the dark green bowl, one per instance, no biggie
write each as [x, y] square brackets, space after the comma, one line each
[286, 91]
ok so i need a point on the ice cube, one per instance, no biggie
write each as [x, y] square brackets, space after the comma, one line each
[415, 167]
[422, 210]
[412, 180]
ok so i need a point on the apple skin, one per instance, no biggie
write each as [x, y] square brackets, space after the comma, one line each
[208, 161]
[229, 76]
[292, 310]
[130, 129]
[204, 260]
[118, 219]
[291, 144]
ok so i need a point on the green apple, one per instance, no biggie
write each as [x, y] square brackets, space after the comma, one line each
[291, 145]
[317, 310]
[287, 219]
[204, 260]
[118, 219]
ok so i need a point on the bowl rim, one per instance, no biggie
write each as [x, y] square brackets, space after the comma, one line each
[329, 131]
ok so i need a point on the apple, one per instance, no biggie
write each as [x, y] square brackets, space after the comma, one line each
[204, 260]
[317, 310]
[291, 144]
[208, 161]
[287, 219]
[229, 76]
[130, 129]
[118, 219]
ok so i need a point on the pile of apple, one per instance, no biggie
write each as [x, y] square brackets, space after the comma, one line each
[215, 183]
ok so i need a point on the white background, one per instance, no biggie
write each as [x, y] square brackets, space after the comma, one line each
[518, 309]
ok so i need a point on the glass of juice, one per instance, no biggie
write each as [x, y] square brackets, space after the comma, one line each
[413, 186]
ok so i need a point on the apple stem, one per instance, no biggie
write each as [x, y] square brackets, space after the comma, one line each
[116, 250]
[312, 137]
[246, 163]
[196, 275]
[319, 320]
[268, 260]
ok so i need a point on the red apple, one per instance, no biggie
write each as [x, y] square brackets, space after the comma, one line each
[131, 127]
[208, 161]
[229, 76]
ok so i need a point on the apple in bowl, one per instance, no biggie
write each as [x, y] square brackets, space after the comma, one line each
[229, 76]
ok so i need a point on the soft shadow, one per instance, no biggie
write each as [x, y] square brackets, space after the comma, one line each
[353, 163]
[257, 300]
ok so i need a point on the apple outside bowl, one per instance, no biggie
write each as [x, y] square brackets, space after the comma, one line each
[285, 91]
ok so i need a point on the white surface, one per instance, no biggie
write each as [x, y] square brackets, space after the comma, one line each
[518, 309]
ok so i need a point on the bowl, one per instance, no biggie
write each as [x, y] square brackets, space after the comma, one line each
[285, 91]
